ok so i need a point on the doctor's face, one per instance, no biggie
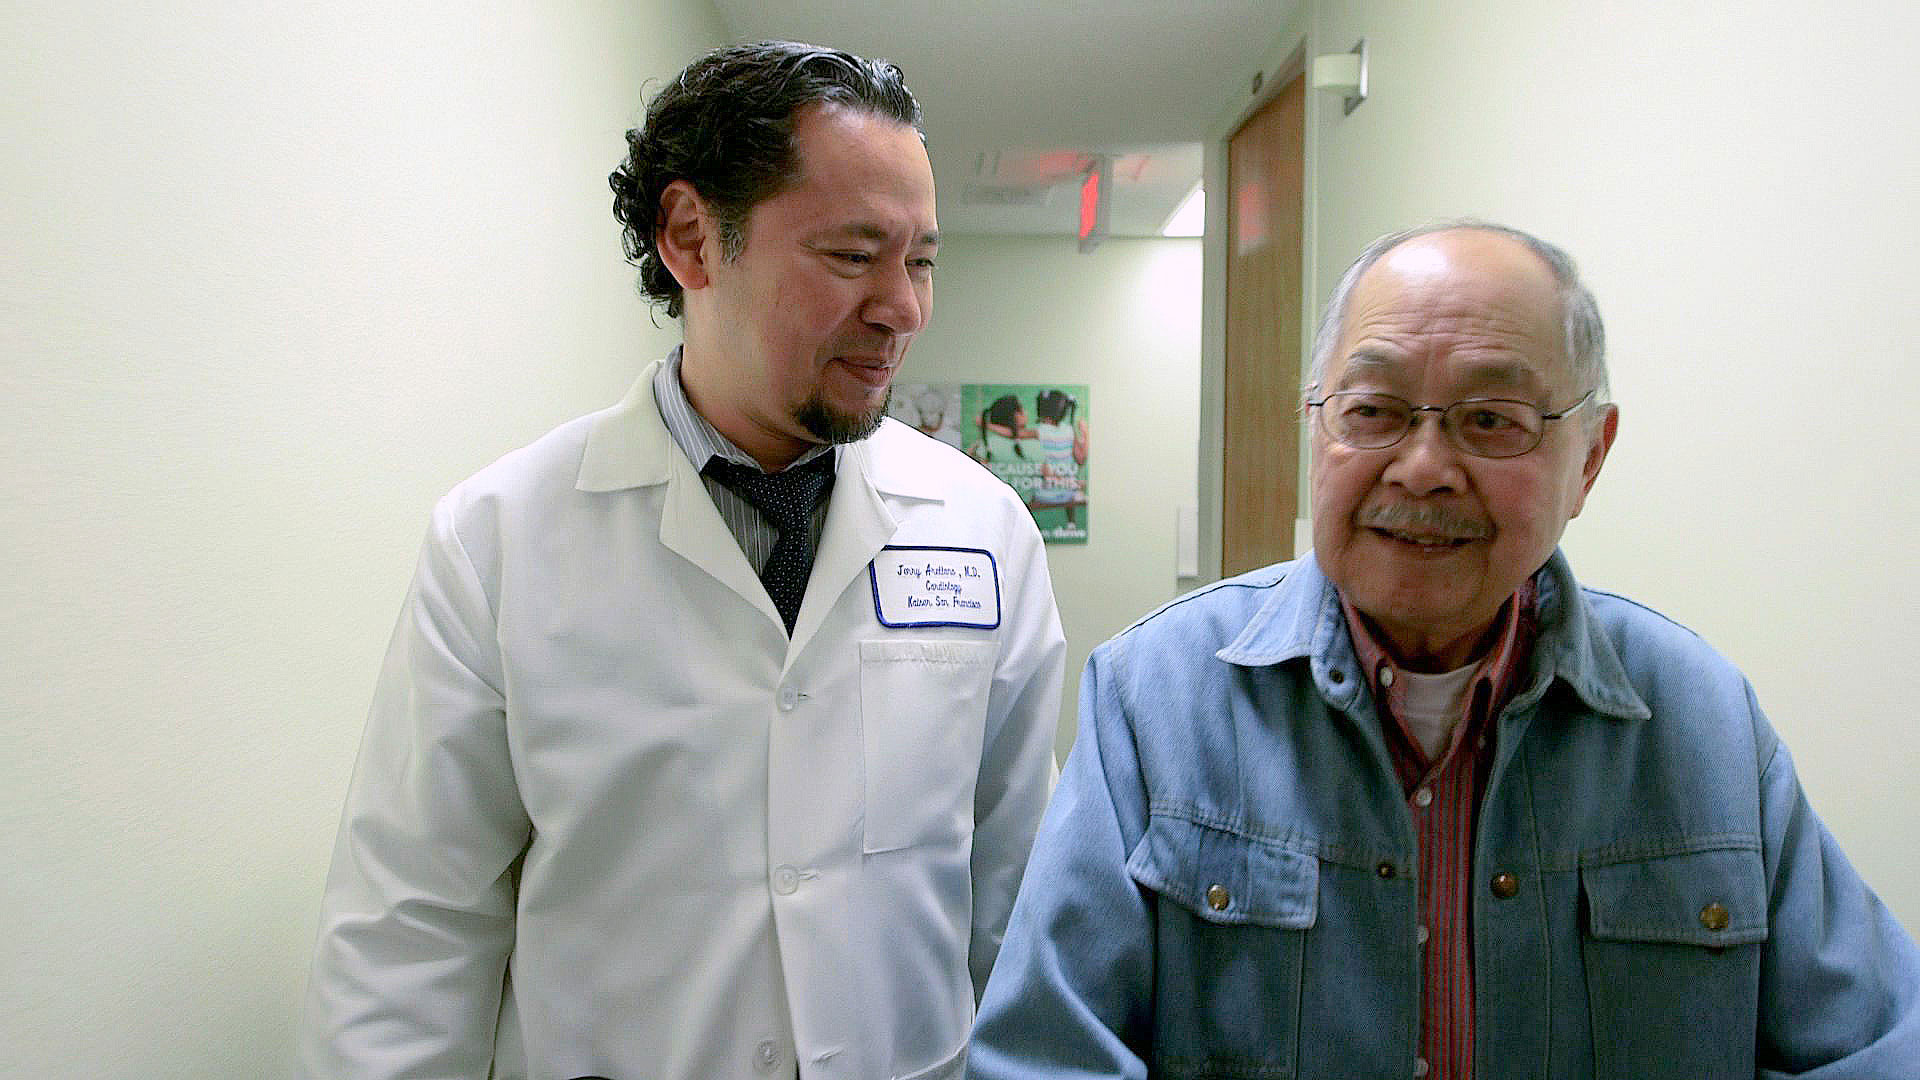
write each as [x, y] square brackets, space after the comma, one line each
[808, 324]
[1425, 539]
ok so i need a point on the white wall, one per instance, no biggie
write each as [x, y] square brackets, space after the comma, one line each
[277, 275]
[1741, 184]
[1125, 320]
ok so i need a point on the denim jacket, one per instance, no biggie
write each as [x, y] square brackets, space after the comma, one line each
[1224, 883]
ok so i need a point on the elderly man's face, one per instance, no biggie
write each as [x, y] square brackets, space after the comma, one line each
[1424, 539]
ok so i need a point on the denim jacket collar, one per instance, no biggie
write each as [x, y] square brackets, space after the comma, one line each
[1302, 618]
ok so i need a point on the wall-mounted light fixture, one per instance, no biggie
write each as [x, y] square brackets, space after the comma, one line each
[1344, 74]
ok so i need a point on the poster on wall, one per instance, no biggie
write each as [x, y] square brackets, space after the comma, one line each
[931, 408]
[1031, 435]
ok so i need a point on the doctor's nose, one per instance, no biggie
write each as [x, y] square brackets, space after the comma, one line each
[900, 303]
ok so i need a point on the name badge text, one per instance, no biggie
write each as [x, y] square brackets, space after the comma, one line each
[935, 586]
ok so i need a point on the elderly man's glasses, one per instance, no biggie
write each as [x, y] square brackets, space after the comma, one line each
[1483, 427]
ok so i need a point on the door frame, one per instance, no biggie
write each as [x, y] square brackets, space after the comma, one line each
[1285, 61]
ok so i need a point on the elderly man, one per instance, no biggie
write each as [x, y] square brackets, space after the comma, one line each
[717, 724]
[1419, 805]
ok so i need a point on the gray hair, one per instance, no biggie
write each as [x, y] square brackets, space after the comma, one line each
[1585, 338]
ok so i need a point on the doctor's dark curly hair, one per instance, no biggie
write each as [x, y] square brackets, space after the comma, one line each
[725, 125]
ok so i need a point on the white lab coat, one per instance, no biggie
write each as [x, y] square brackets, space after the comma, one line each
[594, 758]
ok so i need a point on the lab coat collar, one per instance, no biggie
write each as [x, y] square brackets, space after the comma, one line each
[629, 446]
[899, 461]
[892, 464]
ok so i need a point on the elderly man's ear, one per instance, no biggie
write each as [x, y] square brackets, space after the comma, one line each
[686, 238]
[1597, 449]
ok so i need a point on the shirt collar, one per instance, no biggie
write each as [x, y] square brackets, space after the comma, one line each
[1500, 668]
[697, 438]
[1304, 618]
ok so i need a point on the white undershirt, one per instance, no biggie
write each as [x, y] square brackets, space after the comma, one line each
[1431, 706]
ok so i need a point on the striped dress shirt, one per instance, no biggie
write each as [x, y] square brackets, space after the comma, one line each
[1444, 798]
[700, 441]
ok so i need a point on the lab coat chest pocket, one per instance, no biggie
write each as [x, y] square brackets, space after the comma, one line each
[1231, 919]
[923, 711]
[1672, 955]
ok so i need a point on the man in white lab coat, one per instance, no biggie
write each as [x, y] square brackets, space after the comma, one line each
[717, 724]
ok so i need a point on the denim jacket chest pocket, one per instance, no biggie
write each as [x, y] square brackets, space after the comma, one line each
[1231, 912]
[1671, 950]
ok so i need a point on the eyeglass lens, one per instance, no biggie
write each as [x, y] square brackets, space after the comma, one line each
[1484, 428]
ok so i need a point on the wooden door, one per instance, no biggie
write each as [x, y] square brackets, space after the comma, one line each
[1259, 490]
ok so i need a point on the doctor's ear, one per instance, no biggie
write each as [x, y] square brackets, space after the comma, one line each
[683, 235]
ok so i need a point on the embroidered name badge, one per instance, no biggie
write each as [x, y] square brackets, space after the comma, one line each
[935, 586]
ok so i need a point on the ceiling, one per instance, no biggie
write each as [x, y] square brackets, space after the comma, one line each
[1020, 97]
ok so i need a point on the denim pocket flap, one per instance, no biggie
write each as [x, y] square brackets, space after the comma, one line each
[1225, 876]
[1715, 897]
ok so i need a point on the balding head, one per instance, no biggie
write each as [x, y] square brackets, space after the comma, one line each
[1583, 336]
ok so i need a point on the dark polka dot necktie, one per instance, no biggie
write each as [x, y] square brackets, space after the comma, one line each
[786, 499]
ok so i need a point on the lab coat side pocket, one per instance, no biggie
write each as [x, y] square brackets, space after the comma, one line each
[923, 709]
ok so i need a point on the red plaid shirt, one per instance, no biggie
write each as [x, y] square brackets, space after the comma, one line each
[1444, 797]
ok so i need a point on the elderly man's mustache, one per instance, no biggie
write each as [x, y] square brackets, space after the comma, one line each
[1423, 521]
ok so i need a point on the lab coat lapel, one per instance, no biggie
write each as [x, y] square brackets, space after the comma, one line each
[858, 525]
[630, 447]
[691, 527]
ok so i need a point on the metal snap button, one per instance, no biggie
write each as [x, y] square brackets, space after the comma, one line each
[1218, 898]
[1385, 870]
[1714, 917]
[1505, 885]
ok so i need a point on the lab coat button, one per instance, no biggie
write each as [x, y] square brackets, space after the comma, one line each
[766, 1056]
[789, 697]
[785, 880]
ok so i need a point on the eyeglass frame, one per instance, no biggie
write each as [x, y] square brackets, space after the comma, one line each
[1452, 434]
